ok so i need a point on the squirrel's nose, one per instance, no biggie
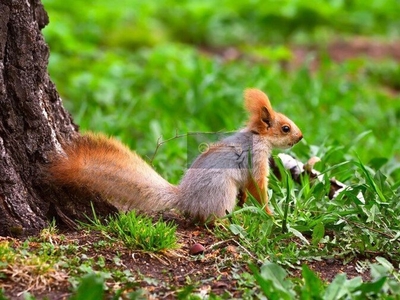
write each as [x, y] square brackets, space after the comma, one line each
[300, 138]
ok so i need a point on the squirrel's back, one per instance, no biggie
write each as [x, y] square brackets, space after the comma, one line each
[101, 164]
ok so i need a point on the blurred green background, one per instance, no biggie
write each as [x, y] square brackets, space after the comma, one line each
[141, 70]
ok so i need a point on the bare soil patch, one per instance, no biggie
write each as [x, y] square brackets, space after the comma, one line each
[339, 50]
[342, 50]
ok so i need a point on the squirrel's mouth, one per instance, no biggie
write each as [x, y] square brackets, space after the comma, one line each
[298, 140]
[291, 144]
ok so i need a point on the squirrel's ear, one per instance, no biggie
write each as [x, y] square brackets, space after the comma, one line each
[266, 116]
[257, 104]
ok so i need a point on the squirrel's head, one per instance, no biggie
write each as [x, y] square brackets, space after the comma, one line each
[280, 130]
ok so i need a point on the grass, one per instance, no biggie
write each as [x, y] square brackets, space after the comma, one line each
[144, 70]
[343, 226]
[275, 285]
[136, 231]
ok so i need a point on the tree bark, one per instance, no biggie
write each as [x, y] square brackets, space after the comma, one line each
[33, 123]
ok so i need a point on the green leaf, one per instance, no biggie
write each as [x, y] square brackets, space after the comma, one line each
[272, 282]
[299, 235]
[378, 162]
[385, 263]
[381, 269]
[372, 287]
[238, 230]
[335, 289]
[313, 285]
[2, 296]
[318, 233]
[90, 288]
[372, 213]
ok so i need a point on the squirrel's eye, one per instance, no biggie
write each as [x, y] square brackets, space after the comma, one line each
[285, 128]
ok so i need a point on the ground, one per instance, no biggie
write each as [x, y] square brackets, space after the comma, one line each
[162, 275]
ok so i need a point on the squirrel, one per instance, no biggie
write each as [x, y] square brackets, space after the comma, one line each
[209, 189]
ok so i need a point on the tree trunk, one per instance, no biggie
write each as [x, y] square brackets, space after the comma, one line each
[33, 122]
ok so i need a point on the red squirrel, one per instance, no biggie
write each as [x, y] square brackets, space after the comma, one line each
[209, 189]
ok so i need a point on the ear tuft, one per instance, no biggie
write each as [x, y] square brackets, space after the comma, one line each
[255, 100]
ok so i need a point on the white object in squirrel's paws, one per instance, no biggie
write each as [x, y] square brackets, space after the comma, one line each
[296, 168]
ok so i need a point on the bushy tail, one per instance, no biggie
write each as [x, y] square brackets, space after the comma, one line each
[106, 166]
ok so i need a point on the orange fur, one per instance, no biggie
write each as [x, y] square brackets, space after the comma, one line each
[255, 100]
[259, 107]
[258, 191]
